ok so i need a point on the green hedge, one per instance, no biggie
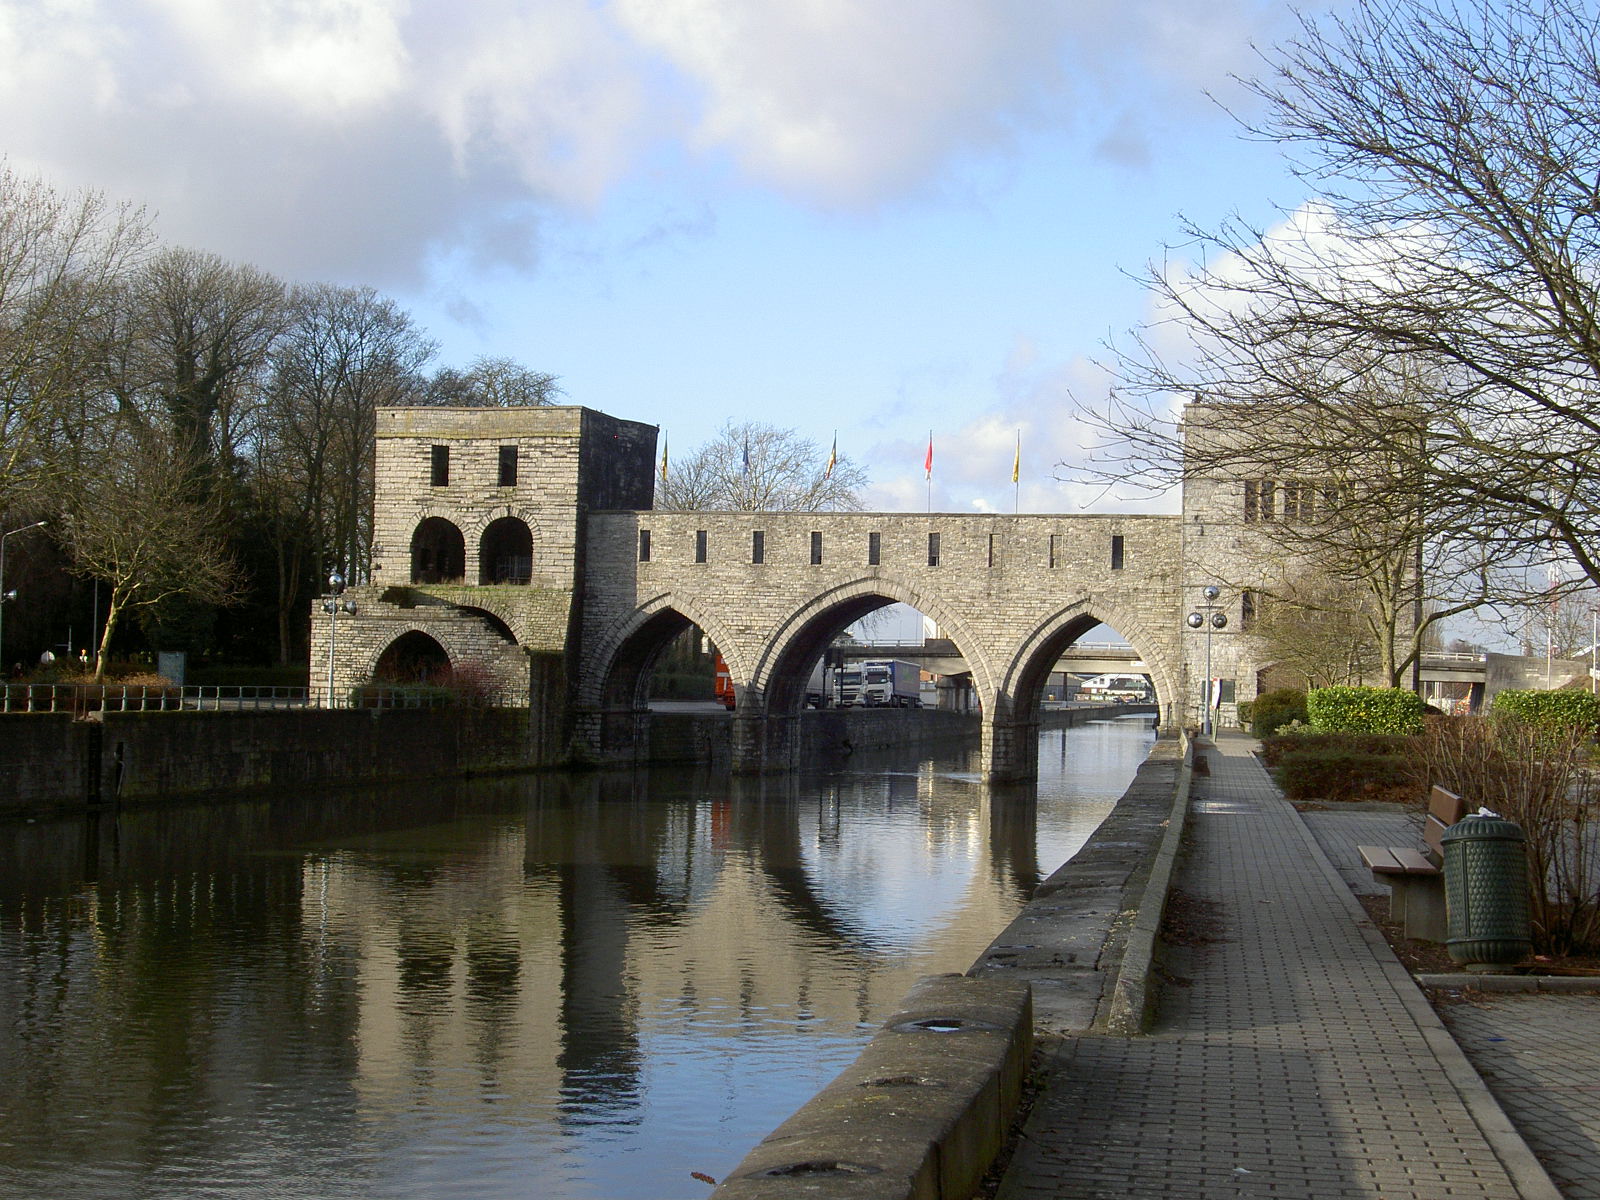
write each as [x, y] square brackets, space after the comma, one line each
[1273, 710]
[1364, 710]
[1276, 748]
[1343, 775]
[1556, 711]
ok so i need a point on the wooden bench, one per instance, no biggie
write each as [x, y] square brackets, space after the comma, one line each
[1415, 877]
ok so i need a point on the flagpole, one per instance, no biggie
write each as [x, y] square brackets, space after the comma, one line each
[1016, 477]
[927, 465]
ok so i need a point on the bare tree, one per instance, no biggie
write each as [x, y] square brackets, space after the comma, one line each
[138, 527]
[190, 349]
[490, 383]
[1455, 150]
[345, 352]
[754, 467]
[63, 259]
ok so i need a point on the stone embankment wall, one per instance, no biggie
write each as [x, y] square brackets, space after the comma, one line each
[56, 762]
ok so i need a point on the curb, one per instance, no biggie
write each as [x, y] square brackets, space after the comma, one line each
[1510, 983]
[1132, 998]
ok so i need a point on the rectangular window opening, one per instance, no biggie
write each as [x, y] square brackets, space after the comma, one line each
[933, 549]
[874, 549]
[1117, 551]
[508, 466]
[816, 548]
[991, 549]
[439, 475]
[700, 545]
[1052, 551]
[758, 547]
[644, 545]
[1247, 610]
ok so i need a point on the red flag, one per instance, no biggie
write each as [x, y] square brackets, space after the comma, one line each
[927, 463]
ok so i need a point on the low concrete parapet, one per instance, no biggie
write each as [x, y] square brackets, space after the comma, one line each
[919, 1115]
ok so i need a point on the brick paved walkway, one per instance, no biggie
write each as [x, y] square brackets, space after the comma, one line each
[1292, 1056]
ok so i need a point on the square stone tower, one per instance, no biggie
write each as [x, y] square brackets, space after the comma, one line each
[478, 536]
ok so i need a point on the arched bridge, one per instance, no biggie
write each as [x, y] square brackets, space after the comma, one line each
[772, 590]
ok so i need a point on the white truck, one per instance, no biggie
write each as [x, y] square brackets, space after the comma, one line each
[888, 683]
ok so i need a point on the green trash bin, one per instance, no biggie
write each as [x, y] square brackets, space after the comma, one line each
[1486, 893]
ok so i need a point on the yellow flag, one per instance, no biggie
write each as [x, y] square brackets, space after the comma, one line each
[663, 460]
[1016, 459]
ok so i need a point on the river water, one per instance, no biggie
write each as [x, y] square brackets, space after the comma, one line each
[558, 986]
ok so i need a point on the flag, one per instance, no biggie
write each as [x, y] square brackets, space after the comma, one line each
[663, 460]
[747, 455]
[1016, 459]
[833, 458]
[927, 462]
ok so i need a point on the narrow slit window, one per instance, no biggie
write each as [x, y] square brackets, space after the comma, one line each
[508, 466]
[1118, 550]
[700, 545]
[1052, 551]
[644, 545]
[439, 474]
[933, 549]
[758, 547]
[816, 548]
[874, 549]
[991, 549]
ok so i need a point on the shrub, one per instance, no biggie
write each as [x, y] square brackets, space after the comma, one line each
[1552, 711]
[1364, 710]
[1334, 774]
[1273, 710]
[1286, 741]
[1246, 710]
[1539, 780]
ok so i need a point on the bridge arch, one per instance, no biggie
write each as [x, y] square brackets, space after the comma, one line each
[627, 652]
[781, 671]
[1032, 661]
[413, 657]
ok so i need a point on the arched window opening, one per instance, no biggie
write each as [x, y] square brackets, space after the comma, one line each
[438, 553]
[410, 659]
[505, 552]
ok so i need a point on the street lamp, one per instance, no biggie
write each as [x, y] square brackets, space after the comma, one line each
[333, 606]
[5, 596]
[1217, 620]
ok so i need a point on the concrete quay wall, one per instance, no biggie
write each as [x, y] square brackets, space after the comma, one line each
[922, 1112]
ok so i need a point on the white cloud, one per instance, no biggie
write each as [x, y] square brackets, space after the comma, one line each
[360, 138]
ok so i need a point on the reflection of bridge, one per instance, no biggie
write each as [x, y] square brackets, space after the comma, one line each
[518, 549]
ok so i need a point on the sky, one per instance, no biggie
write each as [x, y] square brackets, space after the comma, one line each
[876, 220]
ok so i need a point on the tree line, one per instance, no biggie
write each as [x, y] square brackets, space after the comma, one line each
[197, 433]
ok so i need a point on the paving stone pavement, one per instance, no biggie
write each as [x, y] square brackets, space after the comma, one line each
[1291, 1055]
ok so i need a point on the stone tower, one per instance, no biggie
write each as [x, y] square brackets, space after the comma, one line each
[478, 546]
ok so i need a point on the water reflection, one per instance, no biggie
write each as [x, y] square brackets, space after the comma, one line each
[568, 986]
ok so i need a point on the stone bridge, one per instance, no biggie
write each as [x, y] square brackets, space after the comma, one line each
[772, 590]
[518, 548]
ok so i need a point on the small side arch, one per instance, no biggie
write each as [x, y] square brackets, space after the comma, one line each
[505, 552]
[625, 654]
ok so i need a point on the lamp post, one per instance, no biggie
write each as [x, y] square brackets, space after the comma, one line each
[1217, 620]
[333, 606]
[5, 596]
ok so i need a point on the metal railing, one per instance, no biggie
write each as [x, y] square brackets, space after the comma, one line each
[83, 698]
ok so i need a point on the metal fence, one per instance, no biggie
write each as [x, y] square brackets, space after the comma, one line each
[82, 698]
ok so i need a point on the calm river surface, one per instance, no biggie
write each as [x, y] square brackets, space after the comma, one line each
[548, 986]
